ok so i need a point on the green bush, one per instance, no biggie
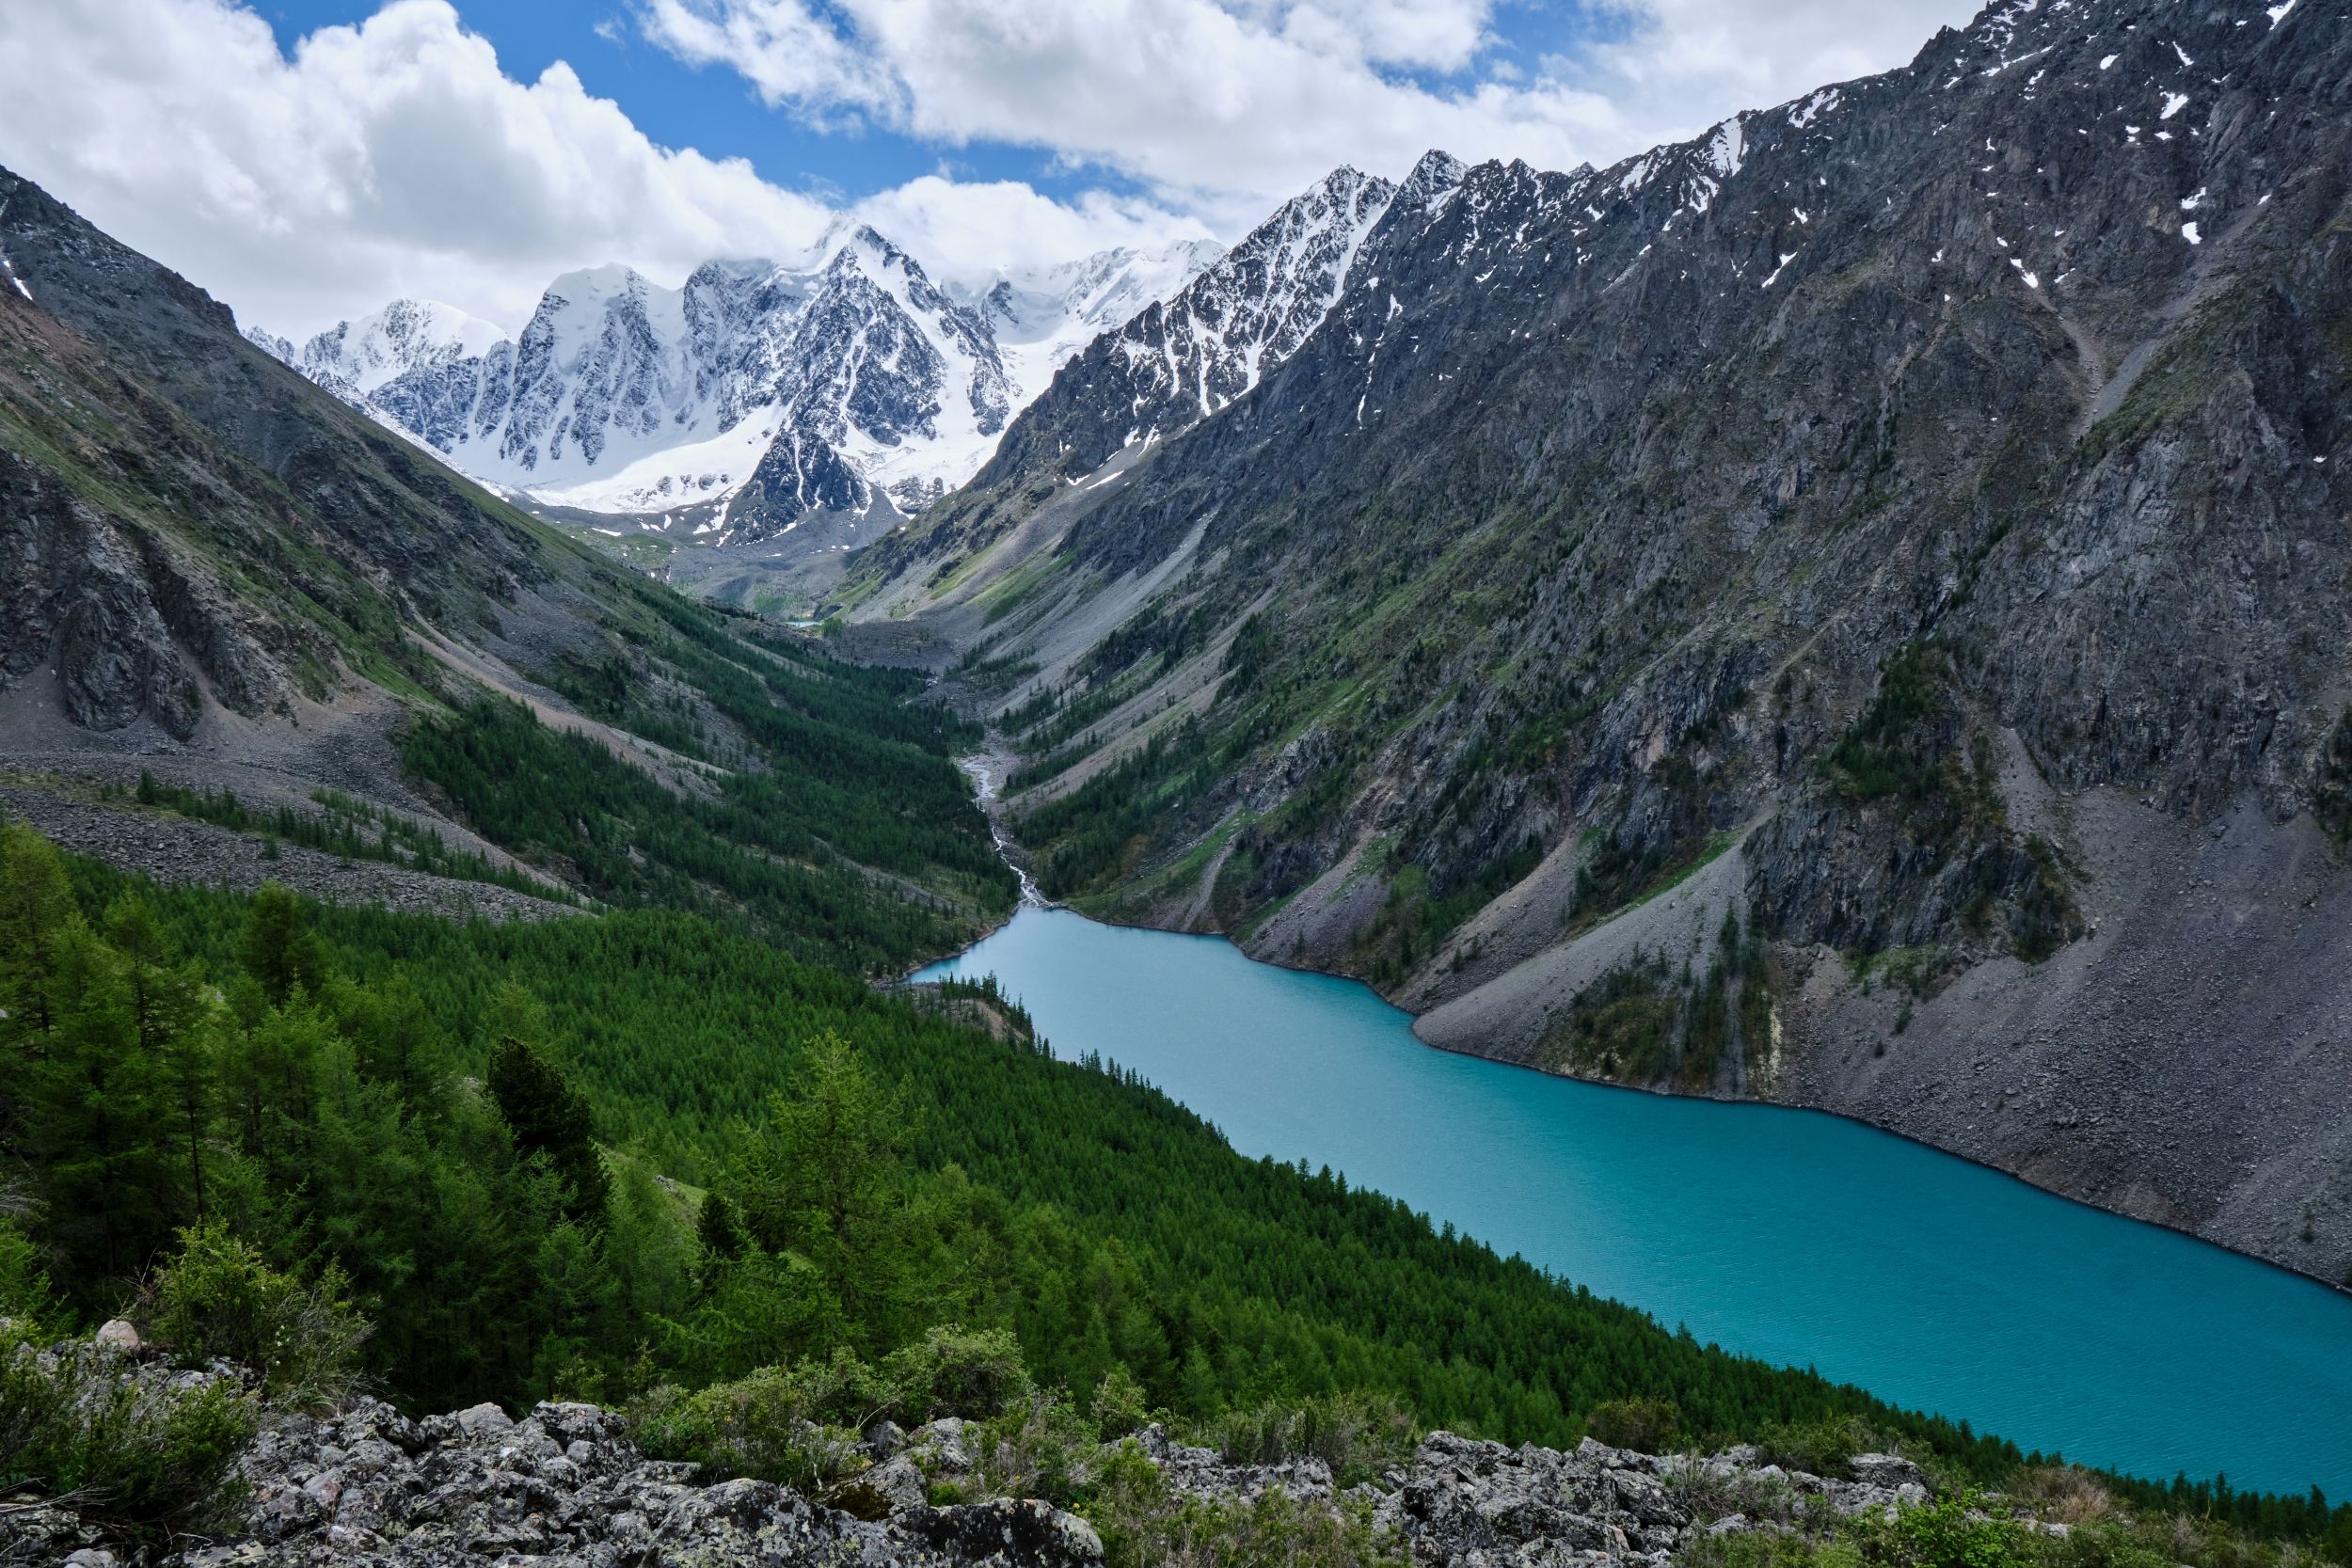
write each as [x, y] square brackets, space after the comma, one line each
[1768, 1549]
[220, 1298]
[1044, 1447]
[1824, 1448]
[797, 1425]
[1963, 1531]
[27, 1304]
[1119, 1405]
[1146, 1524]
[954, 1372]
[143, 1460]
[1646, 1425]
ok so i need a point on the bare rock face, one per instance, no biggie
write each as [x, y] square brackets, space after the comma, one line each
[563, 1486]
[80, 601]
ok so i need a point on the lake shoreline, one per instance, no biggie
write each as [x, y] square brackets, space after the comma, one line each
[1675, 1272]
[988, 768]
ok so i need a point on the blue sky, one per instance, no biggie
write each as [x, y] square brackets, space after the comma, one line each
[681, 105]
[678, 105]
[309, 160]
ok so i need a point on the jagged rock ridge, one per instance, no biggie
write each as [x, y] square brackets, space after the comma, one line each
[564, 1485]
[846, 381]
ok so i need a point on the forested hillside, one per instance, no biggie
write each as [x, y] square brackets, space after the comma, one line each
[601, 1157]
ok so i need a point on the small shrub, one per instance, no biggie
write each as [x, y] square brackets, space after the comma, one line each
[1119, 1405]
[954, 1372]
[1959, 1532]
[27, 1304]
[2067, 1493]
[1646, 1425]
[1768, 1549]
[2107, 1543]
[1043, 1448]
[1824, 1447]
[142, 1460]
[1145, 1523]
[219, 1298]
[1352, 1433]
[769, 1426]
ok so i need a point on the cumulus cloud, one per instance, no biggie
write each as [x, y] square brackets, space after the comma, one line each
[1684, 64]
[391, 157]
[1194, 98]
[1221, 106]
[962, 231]
[397, 157]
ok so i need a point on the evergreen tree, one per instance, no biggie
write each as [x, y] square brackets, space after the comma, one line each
[99, 1117]
[544, 1109]
[281, 952]
[37, 913]
[715, 1228]
[826, 1178]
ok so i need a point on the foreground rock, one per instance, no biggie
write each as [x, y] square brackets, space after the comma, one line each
[566, 1486]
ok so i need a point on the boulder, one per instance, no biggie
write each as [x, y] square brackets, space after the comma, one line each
[1886, 1469]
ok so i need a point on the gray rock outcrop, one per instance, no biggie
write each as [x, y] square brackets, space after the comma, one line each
[566, 1488]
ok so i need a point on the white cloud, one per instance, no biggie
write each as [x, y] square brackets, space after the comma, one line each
[390, 158]
[963, 229]
[1200, 100]
[1688, 63]
[396, 157]
[1224, 106]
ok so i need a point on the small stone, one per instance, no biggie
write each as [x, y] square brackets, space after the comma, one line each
[117, 1334]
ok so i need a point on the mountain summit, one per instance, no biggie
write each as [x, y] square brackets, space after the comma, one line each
[846, 382]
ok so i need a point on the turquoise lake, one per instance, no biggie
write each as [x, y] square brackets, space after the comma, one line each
[1791, 1235]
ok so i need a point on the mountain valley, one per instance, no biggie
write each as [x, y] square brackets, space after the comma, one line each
[504, 834]
[1900, 533]
[829, 397]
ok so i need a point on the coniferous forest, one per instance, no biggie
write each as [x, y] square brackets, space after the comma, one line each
[647, 1159]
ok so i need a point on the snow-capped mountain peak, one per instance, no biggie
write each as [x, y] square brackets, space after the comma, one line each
[354, 359]
[1044, 315]
[752, 393]
[1217, 336]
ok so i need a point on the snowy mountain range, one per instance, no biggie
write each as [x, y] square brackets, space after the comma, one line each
[756, 393]
[1180, 359]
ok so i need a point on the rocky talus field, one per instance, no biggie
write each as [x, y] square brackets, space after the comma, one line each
[564, 1486]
